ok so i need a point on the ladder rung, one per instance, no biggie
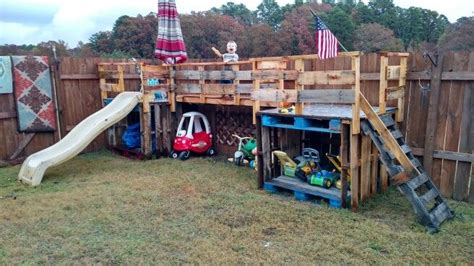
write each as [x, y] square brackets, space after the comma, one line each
[387, 120]
[397, 134]
[416, 163]
[429, 196]
[405, 148]
[441, 213]
[417, 181]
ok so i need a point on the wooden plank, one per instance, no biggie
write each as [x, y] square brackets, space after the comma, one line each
[399, 115]
[266, 152]
[393, 72]
[383, 84]
[172, 93]
[458, 75]
[394, 54]
[393, 93]
[273, 95]
[334, 77]
[339, 96]
[374, 173]
[158, 129]
[366, 146]
[227, 89]
[213, 75]
[383, 178]
[454, 156]
[267, 64]
[261, 178]
[7, 115]
[344, 155]
[300, 67]
[354, 170]
[355, 64]
[27, 138]
[466, 142]
[275, 74]
[431, 126]
[256, 103]
[236, 83]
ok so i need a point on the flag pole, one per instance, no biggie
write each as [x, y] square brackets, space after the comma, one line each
[316, 16]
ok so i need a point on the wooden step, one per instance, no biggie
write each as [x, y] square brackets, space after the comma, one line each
[415, 162]
[416, 182]
[405, 148]
[387, 120]
[429, 196]
[397, 134]
[441, 213]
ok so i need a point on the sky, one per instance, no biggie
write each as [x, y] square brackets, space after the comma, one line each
[34, 21]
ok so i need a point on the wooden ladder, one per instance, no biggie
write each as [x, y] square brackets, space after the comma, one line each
[404, 169]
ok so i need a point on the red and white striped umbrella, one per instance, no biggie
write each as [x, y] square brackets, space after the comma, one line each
[170, 46]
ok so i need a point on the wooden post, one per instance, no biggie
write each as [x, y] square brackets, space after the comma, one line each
[121, 82]
[158, 130]
[356, 87]
[354, 169]
[256, 86]
[344, 155]
[402, 81]
[365, 167]
[236, 69]
[299, 66]
[261, 178]
[103, 92]
[431, 123]
[375, 170]
[267, 152]
[172, 93]
[383, 178]
[145, 125]
[201, 84]
[383, 84]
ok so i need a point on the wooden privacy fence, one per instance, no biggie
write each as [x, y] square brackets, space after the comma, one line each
[437, 106]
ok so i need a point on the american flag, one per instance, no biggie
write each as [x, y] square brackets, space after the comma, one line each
[326, 42]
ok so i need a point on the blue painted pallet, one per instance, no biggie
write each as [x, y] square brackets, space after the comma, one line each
[303, 191]
[300, 123]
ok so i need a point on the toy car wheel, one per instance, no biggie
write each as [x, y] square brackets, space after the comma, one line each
[174, 155]
[327, 183]
[184, 155]
[211, 152]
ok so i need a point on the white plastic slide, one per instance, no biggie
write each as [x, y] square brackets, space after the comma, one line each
[35, 165]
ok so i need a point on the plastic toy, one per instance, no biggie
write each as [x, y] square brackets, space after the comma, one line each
[193, 135]
[244, 150]
[334, 159]
[302, 166]
[323, 178]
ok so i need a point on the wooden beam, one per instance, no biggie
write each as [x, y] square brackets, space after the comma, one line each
[27, 138]
[256, 87]
[334, 77]
[356, 106]
[394, 54]
[354, 170]
[400, 113]
[393, 93]
[454, 156]
[431, 125]
[393, 72]
[275, 74]
[299, 66]
[365, 152]
[383, 84]
[339, 96]
[275, 95]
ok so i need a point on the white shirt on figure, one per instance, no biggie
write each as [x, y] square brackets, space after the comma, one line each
[228, 57]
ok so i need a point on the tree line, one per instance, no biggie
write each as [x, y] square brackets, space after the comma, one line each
[272, 30]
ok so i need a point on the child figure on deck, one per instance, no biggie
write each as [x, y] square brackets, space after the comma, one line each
[231, 55]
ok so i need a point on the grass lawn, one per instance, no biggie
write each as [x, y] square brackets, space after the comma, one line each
[100, 207]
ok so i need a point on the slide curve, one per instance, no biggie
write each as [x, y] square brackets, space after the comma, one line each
[35, 165]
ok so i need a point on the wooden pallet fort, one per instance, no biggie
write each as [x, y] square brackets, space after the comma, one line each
[371, 147]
